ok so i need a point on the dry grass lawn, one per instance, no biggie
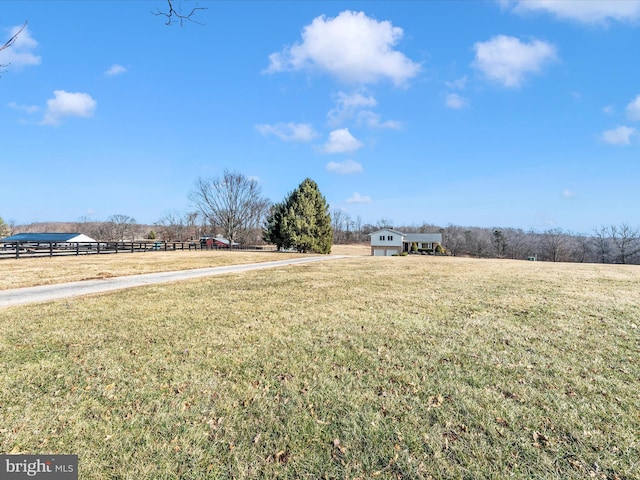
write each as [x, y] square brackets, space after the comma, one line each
[401, 367]
[28, 272]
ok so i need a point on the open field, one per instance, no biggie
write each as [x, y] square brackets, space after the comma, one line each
[29, 272]
[399, 367]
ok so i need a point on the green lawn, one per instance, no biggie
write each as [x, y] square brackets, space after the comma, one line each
[402, 367]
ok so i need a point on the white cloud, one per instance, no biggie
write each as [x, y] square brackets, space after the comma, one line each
[20, 54]
[288, 132]
[357, 198]
[374, 120]
[456, 102]
[344, 168]
[347, 105]
[24, 108]
[633, 109]
[351, 47]
[566, 193]
[584, 11]
[458, 84]
[507, 60]
[356, 106]
[618, 136]
[115, 69]
[67, 104]
[341, 141]
[609, 110]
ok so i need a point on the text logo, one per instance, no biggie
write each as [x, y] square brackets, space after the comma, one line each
[44, 467]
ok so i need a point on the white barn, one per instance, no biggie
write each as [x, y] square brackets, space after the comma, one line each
[48, 238]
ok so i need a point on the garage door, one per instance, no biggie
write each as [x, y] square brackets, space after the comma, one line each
[379, 252]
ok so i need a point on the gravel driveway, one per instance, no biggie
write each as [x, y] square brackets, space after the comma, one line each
[46, 293]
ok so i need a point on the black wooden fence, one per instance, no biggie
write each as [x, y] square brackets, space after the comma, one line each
[32, 249]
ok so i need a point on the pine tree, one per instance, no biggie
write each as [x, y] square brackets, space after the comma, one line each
[273, 231]
[5, 229]
[302, 221]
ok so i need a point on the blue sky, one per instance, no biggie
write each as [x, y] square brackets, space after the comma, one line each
[477, 113]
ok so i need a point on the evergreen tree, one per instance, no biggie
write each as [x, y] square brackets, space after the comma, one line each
[5, 229]
[302, 221]
[273, 231]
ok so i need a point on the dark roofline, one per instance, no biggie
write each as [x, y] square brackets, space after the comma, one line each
[44, 237]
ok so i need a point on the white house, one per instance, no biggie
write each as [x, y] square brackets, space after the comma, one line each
[387, 242]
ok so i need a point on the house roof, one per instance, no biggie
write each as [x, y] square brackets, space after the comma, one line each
[423, 237]
[413, 237]
[386, 230]
[47, 238]
[223, 241]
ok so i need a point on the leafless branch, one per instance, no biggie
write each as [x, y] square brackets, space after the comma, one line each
[176, 14]
[12, 40]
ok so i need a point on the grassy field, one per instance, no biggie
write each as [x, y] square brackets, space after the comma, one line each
[29, 272]
[400, 367]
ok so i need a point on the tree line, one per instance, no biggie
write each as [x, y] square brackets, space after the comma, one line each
[233, 206]
[605, 244]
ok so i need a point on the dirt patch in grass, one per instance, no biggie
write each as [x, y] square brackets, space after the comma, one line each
[400, 367]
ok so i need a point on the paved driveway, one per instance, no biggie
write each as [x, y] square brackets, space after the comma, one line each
[46, 293]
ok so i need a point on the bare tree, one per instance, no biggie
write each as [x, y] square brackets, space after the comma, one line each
[176, 13]
[337, 222]
[555, 245]
[343, 226]
[384, 223]
[627, 242]
[602, 244]
[479, 242]
[358, 235]
[517, 243]
[121, 227]
[580, 246]
[455, 240]
[177, 226]
[170, 226]
[233, 204]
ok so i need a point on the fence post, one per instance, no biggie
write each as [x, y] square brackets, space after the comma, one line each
[77, 248]
[50, 250]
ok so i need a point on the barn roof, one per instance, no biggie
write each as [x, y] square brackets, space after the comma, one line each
[47, 238]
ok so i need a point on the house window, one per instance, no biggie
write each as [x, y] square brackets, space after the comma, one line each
[382, 237]
[389, 237]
